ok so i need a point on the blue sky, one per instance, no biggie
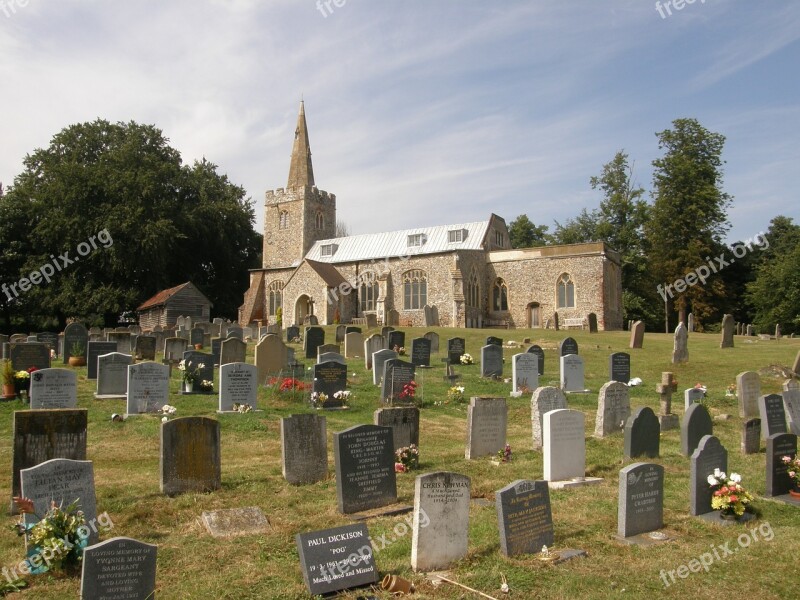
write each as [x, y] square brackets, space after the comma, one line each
[420, 112]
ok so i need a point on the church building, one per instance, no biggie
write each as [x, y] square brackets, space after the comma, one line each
[460, 275]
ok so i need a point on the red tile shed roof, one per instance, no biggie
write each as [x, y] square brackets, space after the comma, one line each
[161, 297]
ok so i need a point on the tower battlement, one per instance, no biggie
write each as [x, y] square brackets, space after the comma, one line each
[281, 195]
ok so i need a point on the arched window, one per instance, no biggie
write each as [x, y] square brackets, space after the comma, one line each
[415, 289]
[566, 291]
[319, 220]
[499, 295]
[367, 291]
[474, 289]
[283, 219]
[275, 296]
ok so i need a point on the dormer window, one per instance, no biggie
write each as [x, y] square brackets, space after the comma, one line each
[499, 239]
[328, 249]
[455, 236]
[416, 240]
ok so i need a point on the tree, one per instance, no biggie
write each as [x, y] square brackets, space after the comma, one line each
[580, 230]
[524, 234]
[689, 217]
[130, 219]
[342, 230]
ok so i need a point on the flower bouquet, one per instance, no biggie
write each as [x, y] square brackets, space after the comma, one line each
[342, 396]
[190, 374]
[406, 459]
[466, 359]
[318, 399]
[792, 464]
[729, 496]
[456, 394]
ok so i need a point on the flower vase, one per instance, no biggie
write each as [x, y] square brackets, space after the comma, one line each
[9, 390]
[188, 387]
[728, 515]
[795, 492]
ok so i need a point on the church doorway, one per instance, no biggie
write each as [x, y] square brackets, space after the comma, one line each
[534, 315]
[303, 308]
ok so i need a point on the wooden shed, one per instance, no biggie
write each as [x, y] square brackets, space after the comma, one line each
[166, 306]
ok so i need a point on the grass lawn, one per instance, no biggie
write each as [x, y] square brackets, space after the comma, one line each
[192, 564]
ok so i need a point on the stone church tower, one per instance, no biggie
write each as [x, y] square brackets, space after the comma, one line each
[299, 215]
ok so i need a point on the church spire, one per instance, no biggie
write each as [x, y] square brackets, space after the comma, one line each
[301, 173]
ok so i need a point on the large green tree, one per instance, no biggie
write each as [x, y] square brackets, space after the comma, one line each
[155, 223]
[524, 234]
[689, 218]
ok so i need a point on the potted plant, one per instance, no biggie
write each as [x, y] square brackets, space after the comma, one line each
[9, 380]
[77, 355]
[729, 496]
[792, 464]
[22, 381]
[190, 375]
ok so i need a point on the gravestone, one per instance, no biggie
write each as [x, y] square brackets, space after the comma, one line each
[148, 387]
[232, 351]
[434, 339]
[75, 334]
[555, 321]
[637, 335]
[751, 436]
[487, 421]
[397, 374]
[119, 568]
[341, 330]
[524, 517]
[195, 359]
[372, 320]
[491, 361]
[235, 332]
[314, 336]
[421, 352]
[572, 373]
[365, 475]
[456, 347]
[328, 349]
[539, 353]
[385, 332]
[353, 344]
[53, 388]
[174, 347]
[331, 356]
[330, 377]
[216, 348]
[112, 375]
[544, 400]
[238, 384]
[379, 359]
[62, 481]
[791, 404]
[494, 341]
[619, 367]
[397, 339]
[564, 445]
[592, 318]
[727, 332]
[336, 559]
[93, 351]
[613, 408]
[641, 499]
[292, 333]
[145, 347]
[709, 455]
[132, 344]
[441, 520]
[197, 336]
[122, 339]
[42, 435]
[49, 339]
[25, 355]
[778, 481]
[772, 414]
[690, 323]
[428, 319]
[270, 357]
[304, 449]
[372, 344]
[642, 434]
[524, 373]
[680, 347]
[351, 329]
[567, 346]
[190, 455]
[404, 422]
[695, 426]
[748, 390]
[692, 396]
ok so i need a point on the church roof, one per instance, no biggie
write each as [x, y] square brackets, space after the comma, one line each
[432, 240]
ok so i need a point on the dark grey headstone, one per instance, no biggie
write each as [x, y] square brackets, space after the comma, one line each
[619, 367]
[385, 333]
[48, 338]
[96, 349]
[778, 480]
[773, 415]
[330, 377]
[404, 422]
[524, 517]
[568, 346]
[397, 374]
[216, 349]
[235, 332]
[190, 455]
[341, 331]
[197, 358]
[397, 339]
[25, 355]
[642, 434]
[42, 435]
[751, 436]
[304, 448]
[696, 424]
[494, 341]
[641, 499]
[537, 350]
[352, 329]
[119, 569]
[709, 455]
[491, 361]
[365, 476]
[315, 336]
[336, 559]
[75, 333]
[592, 318]
[232, 350]
[455, 348]
[145, 347]
[421, 352]
[197, 336]
[292, 333]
